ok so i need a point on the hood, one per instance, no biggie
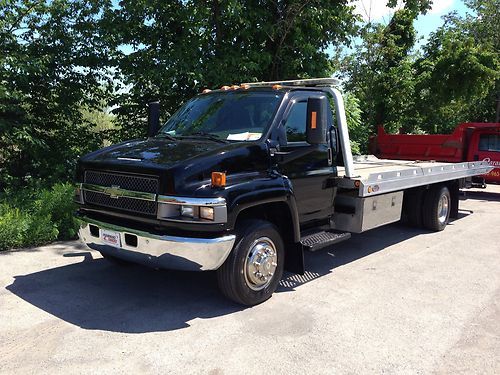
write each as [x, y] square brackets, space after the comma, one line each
[180, 164]
[156, 153]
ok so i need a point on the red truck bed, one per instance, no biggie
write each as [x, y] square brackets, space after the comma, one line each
[469, 142]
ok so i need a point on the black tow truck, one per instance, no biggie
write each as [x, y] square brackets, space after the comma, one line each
[243, 179]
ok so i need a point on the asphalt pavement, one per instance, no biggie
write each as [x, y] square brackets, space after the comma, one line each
[394, 300]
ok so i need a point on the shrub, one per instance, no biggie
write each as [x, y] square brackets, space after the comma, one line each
[35, 216]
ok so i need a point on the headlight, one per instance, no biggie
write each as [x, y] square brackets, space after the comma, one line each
[199, 210]
[188, 211]
[207, 213]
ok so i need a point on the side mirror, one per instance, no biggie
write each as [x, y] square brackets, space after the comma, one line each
[317, 109]
[153, 118]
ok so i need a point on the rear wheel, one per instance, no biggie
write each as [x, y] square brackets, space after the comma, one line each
[251, 273]
[436, 210]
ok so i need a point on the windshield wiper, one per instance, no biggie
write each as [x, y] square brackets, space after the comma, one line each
[166, 135]
[212, 137]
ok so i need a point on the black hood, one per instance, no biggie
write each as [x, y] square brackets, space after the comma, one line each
[181, 163]
[156, 153]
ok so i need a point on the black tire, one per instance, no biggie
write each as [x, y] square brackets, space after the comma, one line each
[412, 207]
[115, 260]
[233, 277]
[434, 218]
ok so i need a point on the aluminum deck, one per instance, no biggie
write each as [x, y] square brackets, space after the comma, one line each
[379, 176]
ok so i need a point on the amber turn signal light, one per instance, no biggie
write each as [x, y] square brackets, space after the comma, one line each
[218, 179]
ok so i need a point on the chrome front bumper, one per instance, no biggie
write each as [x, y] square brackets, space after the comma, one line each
[180, 253]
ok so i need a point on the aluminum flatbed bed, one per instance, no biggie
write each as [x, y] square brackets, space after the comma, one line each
[375, 176]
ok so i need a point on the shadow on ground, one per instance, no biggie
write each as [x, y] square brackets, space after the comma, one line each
[96, 294]
[480, 195]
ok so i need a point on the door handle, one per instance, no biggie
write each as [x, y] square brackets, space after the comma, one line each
[330, 157]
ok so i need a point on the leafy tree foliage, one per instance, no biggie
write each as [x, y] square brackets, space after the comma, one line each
[52, 63]
[454, 80]
[458, 74]
[181, 47]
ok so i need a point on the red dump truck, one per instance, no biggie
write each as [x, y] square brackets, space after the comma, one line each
[471, 141]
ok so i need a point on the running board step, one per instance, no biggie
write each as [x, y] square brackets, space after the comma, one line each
[319, 240]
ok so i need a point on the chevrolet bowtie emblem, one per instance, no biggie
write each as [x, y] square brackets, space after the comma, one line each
[114, 192]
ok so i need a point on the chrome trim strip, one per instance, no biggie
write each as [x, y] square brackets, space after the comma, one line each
[211, 202]
[117, 192]
[183, 253]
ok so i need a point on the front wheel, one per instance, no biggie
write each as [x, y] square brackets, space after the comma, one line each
[251, 273]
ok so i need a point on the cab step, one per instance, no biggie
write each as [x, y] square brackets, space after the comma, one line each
[318, 240]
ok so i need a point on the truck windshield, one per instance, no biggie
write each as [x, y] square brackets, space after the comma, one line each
[231, 116]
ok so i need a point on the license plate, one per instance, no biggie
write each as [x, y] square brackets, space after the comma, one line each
[110, 238]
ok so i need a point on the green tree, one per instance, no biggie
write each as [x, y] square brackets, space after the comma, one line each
[380, 72]
[181, 47]
[53, 62]
[459, 70]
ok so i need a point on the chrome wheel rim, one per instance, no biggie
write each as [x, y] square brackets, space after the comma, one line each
[443, 207]
[260, 263]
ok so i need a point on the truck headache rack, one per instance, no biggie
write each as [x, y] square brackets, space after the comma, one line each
[309, 82]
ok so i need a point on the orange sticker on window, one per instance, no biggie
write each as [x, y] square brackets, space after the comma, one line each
[313, 120]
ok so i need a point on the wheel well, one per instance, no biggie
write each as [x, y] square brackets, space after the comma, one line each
[453, 186]
[279, 214]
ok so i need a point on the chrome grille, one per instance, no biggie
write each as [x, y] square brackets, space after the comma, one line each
[122, 203]
[123, 181]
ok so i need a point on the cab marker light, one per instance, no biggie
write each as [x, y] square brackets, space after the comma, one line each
[205, 91]
[277, 87]
[245, 87]
[218, 179]
[225, 88]
[235, 87]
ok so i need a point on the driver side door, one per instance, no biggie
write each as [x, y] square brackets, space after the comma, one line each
[312, 174]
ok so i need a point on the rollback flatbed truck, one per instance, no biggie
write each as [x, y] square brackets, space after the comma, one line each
[244, 179]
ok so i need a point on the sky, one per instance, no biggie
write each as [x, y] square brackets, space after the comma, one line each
[425, 24]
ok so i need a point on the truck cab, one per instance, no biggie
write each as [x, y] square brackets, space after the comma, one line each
[484, 144]
[242, 180]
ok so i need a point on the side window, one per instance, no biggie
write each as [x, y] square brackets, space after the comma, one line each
[295, 124]
[489, 142]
